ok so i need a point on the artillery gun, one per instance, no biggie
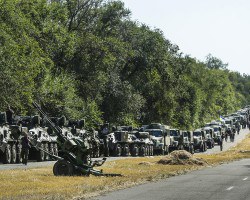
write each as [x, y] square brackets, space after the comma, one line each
[75, 155]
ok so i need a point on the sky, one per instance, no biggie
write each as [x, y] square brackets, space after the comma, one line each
[201, 27]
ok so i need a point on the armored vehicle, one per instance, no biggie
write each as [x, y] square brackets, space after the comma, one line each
[210, 136]
[39, 136]
[160, 135]
[119, 142]
[188, 141]
[141, 144]
[200, 140]
[10, 141]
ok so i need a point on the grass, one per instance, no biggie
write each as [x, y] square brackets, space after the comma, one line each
[40, 183]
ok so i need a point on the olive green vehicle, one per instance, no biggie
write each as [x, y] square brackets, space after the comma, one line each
[200, 140]
[75, 154]
[160, 135]
[10, 141]
[187, 141]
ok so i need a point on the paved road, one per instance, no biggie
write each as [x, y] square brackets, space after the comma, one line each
[216, 149]
[224, 182]
[228, 144]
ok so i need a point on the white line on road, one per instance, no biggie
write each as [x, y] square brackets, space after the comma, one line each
[244, 179]
[230, 188]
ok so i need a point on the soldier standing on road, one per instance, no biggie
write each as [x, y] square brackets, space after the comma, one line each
[25, 149]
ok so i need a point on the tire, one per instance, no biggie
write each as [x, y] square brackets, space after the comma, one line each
[13, 154]
[202, 148]
[135, 150]
[18, 153]
[192, 149]
[51, 150]
[126, 150]
[63, 168]
[142, 150]
[118, 150]
[55, 149]
[46, 148]
[40, 154]
[205, 147]
[7, 155]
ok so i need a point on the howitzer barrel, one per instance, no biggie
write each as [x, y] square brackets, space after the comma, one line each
[57, 129]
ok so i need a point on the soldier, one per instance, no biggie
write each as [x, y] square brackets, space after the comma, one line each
[25, 148]
[9, 114]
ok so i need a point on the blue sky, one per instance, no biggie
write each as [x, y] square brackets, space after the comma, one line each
[200, 27]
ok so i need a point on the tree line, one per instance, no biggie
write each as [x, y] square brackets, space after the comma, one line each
[88, 59]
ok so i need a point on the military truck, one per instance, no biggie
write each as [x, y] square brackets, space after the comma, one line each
[217, 134]
[176, 140]
[188, 141]
[10, 141]
[210, 136]
[200, 140]
[160, 135]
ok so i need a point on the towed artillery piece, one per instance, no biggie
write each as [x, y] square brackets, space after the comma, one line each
[74, 156]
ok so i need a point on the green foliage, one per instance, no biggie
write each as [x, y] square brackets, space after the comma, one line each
[88, 59]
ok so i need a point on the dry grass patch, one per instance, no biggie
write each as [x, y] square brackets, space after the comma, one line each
[40, 183]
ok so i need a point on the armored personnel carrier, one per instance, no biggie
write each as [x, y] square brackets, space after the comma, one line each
[10, 141]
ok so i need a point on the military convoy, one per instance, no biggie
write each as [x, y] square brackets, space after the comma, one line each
[152, 139]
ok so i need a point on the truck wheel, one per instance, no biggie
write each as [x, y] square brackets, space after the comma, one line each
[7, 155]
[13, 153]
[135, 150]
[18, 153]
[118, 150]
[151, 150]
[202, 148]
[126, 150]
[40, 154]
[63, 168]
[142, 151]
[46, 148]
[192, 149]
[55, 149]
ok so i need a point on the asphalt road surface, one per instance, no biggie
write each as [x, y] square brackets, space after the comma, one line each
[224, 182]
[216, 149]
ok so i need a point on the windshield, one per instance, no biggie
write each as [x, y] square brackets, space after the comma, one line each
[216, 129]
[228, 122]
[156, 133]
[173, 133]
[197, 133]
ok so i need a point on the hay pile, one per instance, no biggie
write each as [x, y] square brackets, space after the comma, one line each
[181, 157]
